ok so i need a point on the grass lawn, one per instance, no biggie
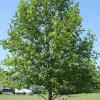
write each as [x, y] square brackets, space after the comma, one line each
[20, 97]
[92, 96]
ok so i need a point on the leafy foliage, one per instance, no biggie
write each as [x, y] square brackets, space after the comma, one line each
[47, 47]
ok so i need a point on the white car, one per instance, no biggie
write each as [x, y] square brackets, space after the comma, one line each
[17, 91]
[23, 91]
[27, 91]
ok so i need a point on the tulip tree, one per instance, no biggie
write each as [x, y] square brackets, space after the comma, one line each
[48, 47]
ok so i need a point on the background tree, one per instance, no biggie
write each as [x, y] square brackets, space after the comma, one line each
[47, 47]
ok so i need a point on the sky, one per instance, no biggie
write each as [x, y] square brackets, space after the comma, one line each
[89, 10]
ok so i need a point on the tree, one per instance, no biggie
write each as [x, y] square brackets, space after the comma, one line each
[47, 47]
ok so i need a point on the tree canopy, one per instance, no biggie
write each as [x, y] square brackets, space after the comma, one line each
[49, 47]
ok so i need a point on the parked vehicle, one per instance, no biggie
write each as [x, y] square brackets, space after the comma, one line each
[27, 91]
[1, 91]
[17, 91]
[1, 88]
[23, 91]
[36, 89]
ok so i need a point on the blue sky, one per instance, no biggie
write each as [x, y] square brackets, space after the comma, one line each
[89, 10]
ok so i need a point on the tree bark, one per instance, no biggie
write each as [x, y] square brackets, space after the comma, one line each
[50, 97]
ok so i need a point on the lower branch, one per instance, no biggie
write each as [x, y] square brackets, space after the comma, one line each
[56, 96]
[43, 96]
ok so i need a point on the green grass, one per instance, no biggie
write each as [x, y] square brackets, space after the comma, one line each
[92, 96]
[20, 97]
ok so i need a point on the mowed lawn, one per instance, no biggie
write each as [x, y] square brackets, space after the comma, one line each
[92, 96]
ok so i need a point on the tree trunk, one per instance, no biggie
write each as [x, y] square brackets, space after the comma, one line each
[50, 94]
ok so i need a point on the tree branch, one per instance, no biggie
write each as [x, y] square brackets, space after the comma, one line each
[42, 96]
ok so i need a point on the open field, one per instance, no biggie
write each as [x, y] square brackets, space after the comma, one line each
[93, 96]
